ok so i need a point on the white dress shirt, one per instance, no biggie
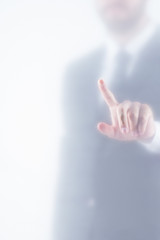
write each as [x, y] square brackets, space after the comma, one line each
[133, 48]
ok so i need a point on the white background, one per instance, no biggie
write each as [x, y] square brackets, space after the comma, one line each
[37, 39]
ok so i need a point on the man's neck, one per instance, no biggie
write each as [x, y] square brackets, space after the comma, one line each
[123, 38]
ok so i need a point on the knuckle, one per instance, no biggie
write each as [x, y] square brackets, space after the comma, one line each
[145, 107]
[136, 103]
[142, 119]
[131, 115]
[119, 108]
[126, 102]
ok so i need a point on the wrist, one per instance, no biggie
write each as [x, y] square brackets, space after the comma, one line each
[150, 139]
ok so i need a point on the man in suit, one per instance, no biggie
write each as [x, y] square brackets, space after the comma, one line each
[109, 186]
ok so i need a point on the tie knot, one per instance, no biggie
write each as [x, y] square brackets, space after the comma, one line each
[122, 58]
[121, 64]
[120, 73]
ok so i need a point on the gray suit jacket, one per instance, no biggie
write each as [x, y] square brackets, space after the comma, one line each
[108, 190]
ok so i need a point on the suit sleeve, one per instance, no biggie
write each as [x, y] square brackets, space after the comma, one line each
[154, 145]
[74, 162]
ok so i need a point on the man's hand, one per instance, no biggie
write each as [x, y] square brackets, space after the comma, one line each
[130, 120]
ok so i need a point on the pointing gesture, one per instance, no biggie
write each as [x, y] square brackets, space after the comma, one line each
[130, 120]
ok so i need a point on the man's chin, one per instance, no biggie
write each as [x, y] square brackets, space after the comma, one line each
[119, 25]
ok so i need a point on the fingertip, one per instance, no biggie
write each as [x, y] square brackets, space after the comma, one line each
[101, 81]
[100, 126]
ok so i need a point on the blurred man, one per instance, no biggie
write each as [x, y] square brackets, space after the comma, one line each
[110, 156]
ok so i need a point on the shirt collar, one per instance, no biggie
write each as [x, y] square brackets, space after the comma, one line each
[136, 44]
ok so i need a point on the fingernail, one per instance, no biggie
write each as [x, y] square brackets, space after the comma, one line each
[101, 81]
[134, 134]
[139, 132]
[124, 130]
[101, 127]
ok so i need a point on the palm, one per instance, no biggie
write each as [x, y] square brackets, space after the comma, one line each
[130, 120]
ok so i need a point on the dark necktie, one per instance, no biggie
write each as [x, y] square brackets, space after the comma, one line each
[119, 83]
[119, 79]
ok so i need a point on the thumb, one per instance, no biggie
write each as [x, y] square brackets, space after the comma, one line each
[106, 129]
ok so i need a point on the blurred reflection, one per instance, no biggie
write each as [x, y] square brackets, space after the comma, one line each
[109, 185]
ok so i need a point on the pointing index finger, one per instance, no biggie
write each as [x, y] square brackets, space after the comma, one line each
[107, 95]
